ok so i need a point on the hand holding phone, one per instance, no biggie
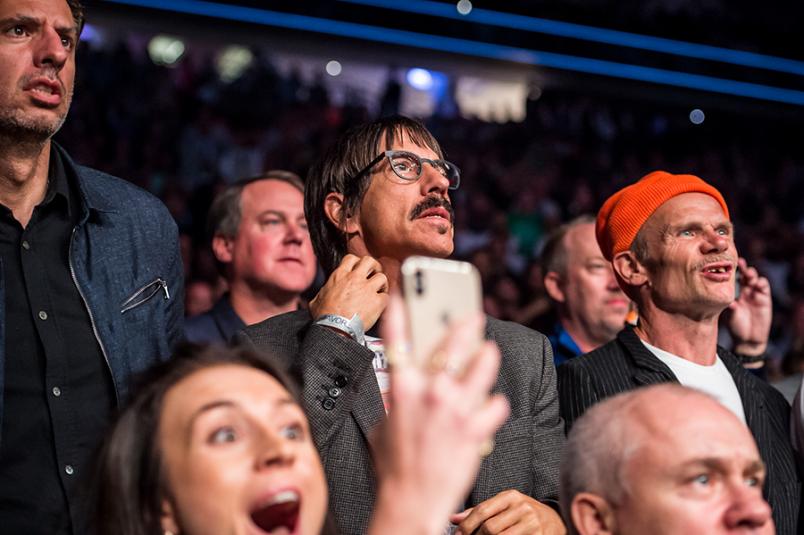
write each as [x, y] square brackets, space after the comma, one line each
[438, 293]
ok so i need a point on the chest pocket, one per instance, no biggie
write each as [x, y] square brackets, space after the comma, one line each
[144, 294]
[143, 315]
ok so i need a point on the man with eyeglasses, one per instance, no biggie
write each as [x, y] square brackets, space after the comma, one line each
[380, 195]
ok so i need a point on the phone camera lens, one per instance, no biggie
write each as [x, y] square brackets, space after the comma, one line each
[419, 283]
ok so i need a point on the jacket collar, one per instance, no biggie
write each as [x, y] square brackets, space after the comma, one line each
[649, 369]
[92, 198]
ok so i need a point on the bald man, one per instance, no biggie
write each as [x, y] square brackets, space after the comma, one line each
[664, 460]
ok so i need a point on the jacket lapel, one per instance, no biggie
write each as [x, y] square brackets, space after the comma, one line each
[648, 369]
[368, 409]
[742, 380]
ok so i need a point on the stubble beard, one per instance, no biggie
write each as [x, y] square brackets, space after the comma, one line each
[19, 128]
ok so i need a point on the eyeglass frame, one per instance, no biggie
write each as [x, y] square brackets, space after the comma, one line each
[433, 163]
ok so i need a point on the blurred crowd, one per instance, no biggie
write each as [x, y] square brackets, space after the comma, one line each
[194, 134]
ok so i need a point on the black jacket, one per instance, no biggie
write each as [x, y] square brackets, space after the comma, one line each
[625, 363]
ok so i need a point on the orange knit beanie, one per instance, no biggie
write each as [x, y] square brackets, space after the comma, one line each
[624, 213]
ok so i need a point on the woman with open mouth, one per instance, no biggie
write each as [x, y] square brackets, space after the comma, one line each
[215, 442]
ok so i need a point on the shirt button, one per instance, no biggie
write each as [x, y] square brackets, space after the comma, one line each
[334, 392]
[56, 391]
[42, 315]
[328, 404]
[69, 470]
[26, 245]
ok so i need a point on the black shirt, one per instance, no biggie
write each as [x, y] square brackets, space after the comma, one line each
[58, 392]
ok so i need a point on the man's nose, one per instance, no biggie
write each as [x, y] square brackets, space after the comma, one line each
[714, 241]
[748, 509]
[433, 181]
[295, 233]
[50, 49]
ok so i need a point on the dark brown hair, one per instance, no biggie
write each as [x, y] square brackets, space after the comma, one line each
[77, 9]
[335, 172]
[129, 482]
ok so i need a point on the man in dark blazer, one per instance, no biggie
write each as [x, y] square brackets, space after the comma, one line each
[378, 196]
[670, 242]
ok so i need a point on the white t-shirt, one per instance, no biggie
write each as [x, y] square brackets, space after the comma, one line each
[381, 368]
[714, 380]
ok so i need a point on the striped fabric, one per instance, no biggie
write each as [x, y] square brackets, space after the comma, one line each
[625, 364]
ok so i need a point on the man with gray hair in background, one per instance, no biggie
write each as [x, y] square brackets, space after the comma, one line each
[262, 247]
[664, 460]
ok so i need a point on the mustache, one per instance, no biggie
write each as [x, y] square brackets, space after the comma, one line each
[433, 202]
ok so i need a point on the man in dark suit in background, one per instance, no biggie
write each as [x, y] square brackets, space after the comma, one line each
[260, 241]
[671, 244]
[377, 197]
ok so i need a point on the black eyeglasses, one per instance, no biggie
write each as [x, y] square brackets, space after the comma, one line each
[409, 166]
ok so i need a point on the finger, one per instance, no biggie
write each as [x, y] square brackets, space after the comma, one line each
[750, 276]
[517, 518]
[762, 286]
[367, 266]
[348, 263]
[457, 518]
[378, 282]
[485, 510]
[490, 417]
[481, 373]
[462, 341]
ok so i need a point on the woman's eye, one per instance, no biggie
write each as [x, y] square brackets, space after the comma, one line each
[702, 479]
[222, 435]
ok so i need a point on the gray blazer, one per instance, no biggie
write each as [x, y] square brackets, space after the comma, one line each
[343, 403]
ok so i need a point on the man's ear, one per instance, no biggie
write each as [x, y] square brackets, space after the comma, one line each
[168, 519]
[222, 248]
[629, 269]
[552, 283]
[336, 213]
[592, 515]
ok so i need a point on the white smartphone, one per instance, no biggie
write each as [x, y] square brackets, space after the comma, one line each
[438, 293]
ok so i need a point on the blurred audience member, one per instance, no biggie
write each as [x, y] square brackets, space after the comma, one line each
[260, 240]
[216, 441]
[670, 240]
[590, 305]
[378, 196]
[792, 365]
[666, 460]
[199, 297]
[91, 280]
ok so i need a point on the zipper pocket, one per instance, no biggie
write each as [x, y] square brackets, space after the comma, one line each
[144, 294]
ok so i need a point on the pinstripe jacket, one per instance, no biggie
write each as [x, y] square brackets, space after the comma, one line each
[342, 400]
[625, 363]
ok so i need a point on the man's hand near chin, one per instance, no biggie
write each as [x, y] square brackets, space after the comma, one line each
[357, 286]
[512, 513]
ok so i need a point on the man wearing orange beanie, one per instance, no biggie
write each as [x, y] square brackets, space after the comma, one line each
[671, 245]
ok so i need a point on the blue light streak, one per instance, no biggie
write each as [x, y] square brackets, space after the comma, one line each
[473, 48]
[591, 33]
